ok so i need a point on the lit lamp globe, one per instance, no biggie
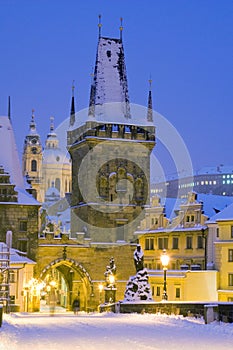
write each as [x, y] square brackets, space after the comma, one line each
[101, 287]
[164, 259]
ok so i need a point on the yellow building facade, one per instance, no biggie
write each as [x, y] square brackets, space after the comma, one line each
[222, 227]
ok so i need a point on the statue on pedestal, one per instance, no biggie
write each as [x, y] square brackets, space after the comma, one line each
[138, 258]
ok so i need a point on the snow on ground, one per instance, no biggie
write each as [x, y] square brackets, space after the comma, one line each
[112, 331]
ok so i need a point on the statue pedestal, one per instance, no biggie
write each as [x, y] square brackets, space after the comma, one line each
[110, 295]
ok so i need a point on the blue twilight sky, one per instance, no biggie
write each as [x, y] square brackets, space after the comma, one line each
[186, 46]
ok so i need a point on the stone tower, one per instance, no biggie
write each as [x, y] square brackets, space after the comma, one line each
[110, 151]
[32, 158]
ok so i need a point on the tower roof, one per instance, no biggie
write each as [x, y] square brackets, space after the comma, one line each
[9, 157]
[110, 80]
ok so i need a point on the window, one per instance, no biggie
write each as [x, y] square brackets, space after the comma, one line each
[231, 231]
[175, 243]
[149, 244]
[22, 245]
[230, 255]
[189, 242]
[177, 292]
[158, 291]
[12, 277]
[192, 218]
[187, 218]
[23, 226]
[34, 165]
[230, 279]
[163, 243]
[199, 242]
[153, 290]
[217, 232]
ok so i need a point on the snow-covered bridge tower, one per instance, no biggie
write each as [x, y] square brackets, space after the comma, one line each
[110, 150]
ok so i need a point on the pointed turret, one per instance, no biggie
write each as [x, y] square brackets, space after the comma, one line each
[150, 107]
[110, 80]
[9, 108]
[72, 108]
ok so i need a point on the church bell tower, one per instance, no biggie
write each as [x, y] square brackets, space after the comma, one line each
[32, 158]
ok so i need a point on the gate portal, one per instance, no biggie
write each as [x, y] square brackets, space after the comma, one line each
[64, 281]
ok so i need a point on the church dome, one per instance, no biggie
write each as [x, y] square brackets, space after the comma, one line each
[52, 154]
[55, 156]
[52, 194]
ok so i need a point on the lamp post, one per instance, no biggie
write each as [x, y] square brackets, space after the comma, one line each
[164, 260]
[101, 287]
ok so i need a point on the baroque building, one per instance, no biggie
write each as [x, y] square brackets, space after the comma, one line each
[47, 167]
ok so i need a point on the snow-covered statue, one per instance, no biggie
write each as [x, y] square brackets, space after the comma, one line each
[110, 273]
[138, 258]
[138, 288]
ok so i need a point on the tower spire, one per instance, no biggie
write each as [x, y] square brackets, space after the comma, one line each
[32, 123]
[51, 124]
[99, 26]
[150, 107]
[9, 107]
[121, 28]
[72, 108]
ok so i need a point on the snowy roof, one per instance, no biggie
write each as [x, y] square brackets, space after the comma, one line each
[211, 203]
[109, 100]
[225, 214]
[9, 159]
[16, 258]
[110, 80]
[15, 255]
[55, 156]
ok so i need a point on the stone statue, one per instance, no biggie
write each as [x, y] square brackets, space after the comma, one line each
[110, 271]
[138, 258]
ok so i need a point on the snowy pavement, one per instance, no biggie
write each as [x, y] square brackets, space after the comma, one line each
[112, 331]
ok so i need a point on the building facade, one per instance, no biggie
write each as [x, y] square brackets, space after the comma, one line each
[209, 180]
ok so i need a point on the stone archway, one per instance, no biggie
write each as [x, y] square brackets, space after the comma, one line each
[71, 280]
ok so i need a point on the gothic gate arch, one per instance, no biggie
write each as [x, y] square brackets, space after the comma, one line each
[71, 279]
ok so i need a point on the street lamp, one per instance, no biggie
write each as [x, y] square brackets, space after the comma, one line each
[165, 261]
[101, 287]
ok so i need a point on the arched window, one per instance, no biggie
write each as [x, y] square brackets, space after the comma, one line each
[34, 165]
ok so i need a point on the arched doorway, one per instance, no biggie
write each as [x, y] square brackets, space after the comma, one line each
[64, 280]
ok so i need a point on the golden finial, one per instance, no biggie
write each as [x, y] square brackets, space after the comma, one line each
[121, 27]
[99, 26]
[150, 82]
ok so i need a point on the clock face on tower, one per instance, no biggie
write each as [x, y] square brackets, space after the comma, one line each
[34, 150]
